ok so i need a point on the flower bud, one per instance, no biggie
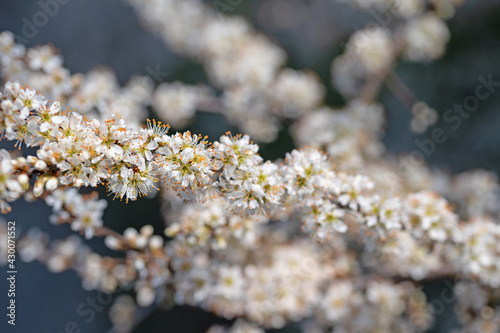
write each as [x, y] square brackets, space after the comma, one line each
[112, 242]
[141, 242]
[145, 296]
[130, 235]
[40, 165]
[147, 231]
[31, 160]
[51, 184]
[172, 230]
[38, 188]
[23, 179]
[155, 242]
[21, 162]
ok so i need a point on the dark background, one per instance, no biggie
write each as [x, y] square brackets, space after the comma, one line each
[96, 32]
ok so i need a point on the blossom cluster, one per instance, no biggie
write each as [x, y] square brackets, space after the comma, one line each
[86, 153]
[212, 223]
[74, 151]
[477, 308]
[83, 212]
[14, 180]
[77, 152]
[243, 63]
[332, 235]
[96, 94]
[420, 34]
[479, 250]
[350, 136]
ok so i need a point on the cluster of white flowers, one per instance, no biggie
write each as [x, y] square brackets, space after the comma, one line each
[407, 257]
[374, 48]
[472, 193]
[123, 313]
[477, 308]
[327, 198]
[426, 38]
[246, 65]
[64, 254]
[212, 223]
[476, 192]
[244, 180]
[381, 306]
[80, 152]
[259, 111]
[184, 162]
[250, 184]
[350, 136]
[14, 180]
[69, 253]
[348, 76]
[77, 152]
[370, 54]
[280, 282]
[144, 268]
[96, 94]
[243, 63]
[236, 249]
[428, 214]
[176, 103]
[478, 251]
[83, 212]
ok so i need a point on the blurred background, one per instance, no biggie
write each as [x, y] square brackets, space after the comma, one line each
[94, 33]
